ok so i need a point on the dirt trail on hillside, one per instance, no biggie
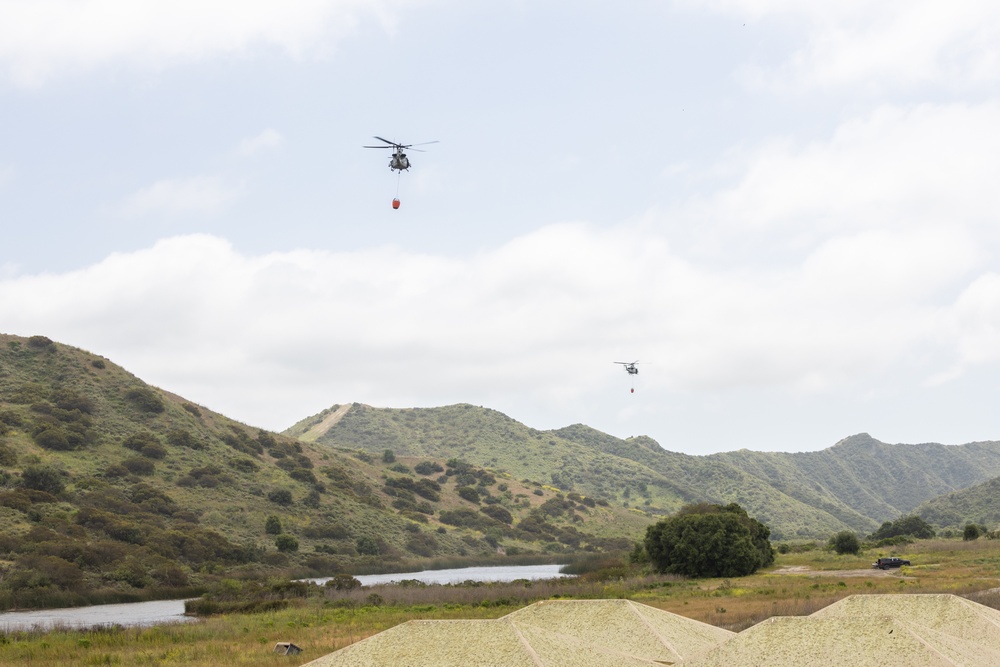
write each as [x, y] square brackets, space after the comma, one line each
[319, 429]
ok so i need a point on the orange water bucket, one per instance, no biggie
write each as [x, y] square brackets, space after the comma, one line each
[395, 203]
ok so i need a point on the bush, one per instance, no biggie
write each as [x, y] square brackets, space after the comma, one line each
[709, 541]
[468, 493]
[368, 546]
[845, 542]
[388, 456]
[428, 468]
[43, 478]
[41, 343]
[971, 532]
[138, 466]
[280, 497]
[498, 513]
[146, 400]
[272, 526]
[286, 543]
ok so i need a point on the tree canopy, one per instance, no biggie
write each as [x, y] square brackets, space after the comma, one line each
[912, 525]
[709, 541]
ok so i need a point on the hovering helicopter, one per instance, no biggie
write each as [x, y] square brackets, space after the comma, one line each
[630, 368]
[399, 161]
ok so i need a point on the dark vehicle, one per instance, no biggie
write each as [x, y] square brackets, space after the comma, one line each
[886, 563]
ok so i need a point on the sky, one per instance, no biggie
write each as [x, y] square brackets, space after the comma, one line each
[786, 211]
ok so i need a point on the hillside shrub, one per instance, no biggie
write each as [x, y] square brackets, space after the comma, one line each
[367, 546]
[280, 497]
[422, 544]
[499, 513]
[8, 457]
[193, 409]
[41, 343]
[468, 493]
[43, 478]
[180, 437]
[427, 468]
[145, 400]
[970, 533]
[286, 543]
[97, 363]
[709, 541]
[272, 525]
[138, 466]
[388, 456]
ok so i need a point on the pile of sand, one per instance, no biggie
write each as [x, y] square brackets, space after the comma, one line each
[554, 633]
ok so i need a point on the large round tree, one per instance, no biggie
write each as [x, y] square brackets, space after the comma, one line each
[709, 541]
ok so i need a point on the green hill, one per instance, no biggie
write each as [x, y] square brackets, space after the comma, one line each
[857, 484]
[979, 504]
[111, 489]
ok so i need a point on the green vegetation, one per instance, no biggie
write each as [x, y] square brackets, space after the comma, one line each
[855, 485]
[909, 526]
[709, 541]
[322, 619]
[845, 542]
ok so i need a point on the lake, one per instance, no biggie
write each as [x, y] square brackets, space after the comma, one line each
[160, 612]
[460, 574]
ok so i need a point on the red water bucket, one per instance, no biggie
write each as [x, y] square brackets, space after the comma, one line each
[395, 203]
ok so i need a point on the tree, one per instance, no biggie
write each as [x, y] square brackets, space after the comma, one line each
[845, 542]
[272, 525]
[911, 525]
[388, 456]
[971, 532]
[714, 541]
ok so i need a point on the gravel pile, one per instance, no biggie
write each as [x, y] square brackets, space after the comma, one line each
[557, 633]
[869, 631]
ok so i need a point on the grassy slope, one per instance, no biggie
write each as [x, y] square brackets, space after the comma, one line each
[213, 478]
[979, 504]
[635, 471]
[856, 484]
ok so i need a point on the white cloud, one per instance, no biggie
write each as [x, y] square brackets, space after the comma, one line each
[42, 38]
[202, 194]
[541, 318]
[896, 168]
[886, 45]
[269, 138]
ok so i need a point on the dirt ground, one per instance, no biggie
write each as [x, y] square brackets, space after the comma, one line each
[866, 572]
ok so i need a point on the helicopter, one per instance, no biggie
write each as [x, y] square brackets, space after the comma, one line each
[630, 368]
[399, 162]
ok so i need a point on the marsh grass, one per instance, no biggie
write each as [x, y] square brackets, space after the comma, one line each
[333, 620]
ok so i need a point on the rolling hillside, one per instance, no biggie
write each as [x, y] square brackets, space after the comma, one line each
[856, 484]
[111, 489]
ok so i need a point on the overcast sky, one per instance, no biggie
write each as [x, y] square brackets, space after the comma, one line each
[787, 211]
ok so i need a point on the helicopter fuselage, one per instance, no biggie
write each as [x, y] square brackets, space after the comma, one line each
[399, 161]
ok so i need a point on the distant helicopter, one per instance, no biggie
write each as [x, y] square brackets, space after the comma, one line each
[399, 161]
[630, 368]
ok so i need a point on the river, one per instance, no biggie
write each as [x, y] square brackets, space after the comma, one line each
[160, 612]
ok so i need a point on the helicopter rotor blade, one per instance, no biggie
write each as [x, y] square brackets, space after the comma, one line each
[424, 143]
[391, 143]
[376, 146]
